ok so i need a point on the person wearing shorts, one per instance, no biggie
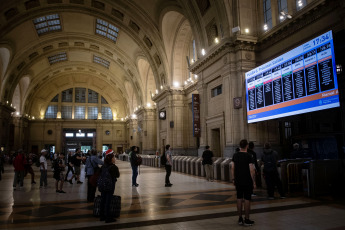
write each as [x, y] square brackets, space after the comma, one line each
[243, 177]
[59, 173]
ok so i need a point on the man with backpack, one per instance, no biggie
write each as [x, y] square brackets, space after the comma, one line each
[270, 160]
[106, 185]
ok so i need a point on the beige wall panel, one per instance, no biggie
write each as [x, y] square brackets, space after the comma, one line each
[213, 71]
[252, 134]
[78, 23]
[178, 126]
[25, 30]
[40, 65]
[80, 56]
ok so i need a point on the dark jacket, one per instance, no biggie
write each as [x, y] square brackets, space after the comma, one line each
[207, 157]
[270, 159]
[133, 158]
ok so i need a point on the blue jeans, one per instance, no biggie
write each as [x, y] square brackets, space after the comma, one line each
[135, 174]
[105, 205]
[43, 178]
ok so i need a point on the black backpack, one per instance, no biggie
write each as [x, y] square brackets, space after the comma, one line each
[139, 160]
[105, 183]
[163, 159]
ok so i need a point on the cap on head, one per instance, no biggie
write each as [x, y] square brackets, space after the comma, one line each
[109, 151]
[43, 150]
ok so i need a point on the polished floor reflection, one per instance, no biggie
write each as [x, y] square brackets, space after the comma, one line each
[191, 203]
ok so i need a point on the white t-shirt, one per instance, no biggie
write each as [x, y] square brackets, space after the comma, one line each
[43, 160]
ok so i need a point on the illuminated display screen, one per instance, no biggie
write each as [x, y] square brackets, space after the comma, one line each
[300, 81]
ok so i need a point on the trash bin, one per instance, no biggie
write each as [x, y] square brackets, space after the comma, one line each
[198, 167]
[225, 165]
[217, 168]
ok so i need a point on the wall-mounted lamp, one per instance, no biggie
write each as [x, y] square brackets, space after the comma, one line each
[203, 52]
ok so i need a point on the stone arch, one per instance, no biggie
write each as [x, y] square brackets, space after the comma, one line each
[177, 36]
[147, 79]
[5, 55]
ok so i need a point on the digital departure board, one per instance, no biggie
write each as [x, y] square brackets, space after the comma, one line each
[300, 81]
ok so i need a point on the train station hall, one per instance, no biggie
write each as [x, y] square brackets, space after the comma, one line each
[182, 80]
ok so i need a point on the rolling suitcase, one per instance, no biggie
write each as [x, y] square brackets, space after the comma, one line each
[115, 206]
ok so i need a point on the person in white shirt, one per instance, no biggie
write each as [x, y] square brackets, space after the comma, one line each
[43, 169]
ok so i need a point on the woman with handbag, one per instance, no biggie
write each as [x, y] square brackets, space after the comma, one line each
[92, 172]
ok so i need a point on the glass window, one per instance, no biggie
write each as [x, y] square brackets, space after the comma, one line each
[89, 134]
[103, 101]
[57, 58]
[66, 112]
[267, 14]
[92, 112]
[80, 134]
[101, 61]
[69, 135]
[51, 111]
[106, 29]
[56, 98]
[79, 112]
[300, 4]
[282, 9]
[106, 113]
[80, 95]
[47, 24]
[216, 91]
[92, 97]
[67, 95]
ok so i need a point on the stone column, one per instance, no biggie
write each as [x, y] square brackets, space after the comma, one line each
[5, 122]
[202, 89]
[147, 134]
[132, 125]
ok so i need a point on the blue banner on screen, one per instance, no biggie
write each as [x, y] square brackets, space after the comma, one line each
[300, 81]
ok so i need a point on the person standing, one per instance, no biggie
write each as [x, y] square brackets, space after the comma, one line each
[243, 174]
[251, 151]
[109, 169]
[207, 163]
[133, 156]
[28, 168]
[69, 168]
[76, 160]
[270, 161]
[91, 167]
[58, 173]
[43, 168]
[168, 165]
[19, 169]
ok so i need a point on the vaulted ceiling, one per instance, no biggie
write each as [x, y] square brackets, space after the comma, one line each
[37, 60]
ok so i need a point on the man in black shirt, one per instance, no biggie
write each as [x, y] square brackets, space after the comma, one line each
[207, 162]
[251, 151]
[243, 174]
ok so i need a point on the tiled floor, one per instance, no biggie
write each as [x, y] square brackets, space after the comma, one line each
[191, 203]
